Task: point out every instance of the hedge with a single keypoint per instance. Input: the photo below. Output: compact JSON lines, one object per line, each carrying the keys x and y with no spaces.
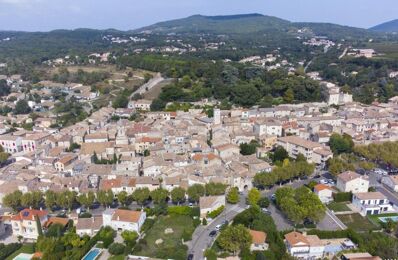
{"x":215,"y":212}
{"x":342,"y":196}
{"x":7,"y":250}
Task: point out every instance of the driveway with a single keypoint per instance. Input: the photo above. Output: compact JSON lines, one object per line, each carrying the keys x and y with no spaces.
{"x":330,"y":222}
{"x":201,"y":239}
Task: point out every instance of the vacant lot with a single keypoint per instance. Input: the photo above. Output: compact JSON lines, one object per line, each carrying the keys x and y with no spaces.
{"x":338,"y":206}
{"x":357,"y":222}
{"x":171,"y":246}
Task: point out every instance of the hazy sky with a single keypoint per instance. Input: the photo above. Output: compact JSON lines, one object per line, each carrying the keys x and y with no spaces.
{"x":44,"y":15}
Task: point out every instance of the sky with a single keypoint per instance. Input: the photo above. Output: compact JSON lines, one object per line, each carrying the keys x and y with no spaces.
{"x":45,"y":15}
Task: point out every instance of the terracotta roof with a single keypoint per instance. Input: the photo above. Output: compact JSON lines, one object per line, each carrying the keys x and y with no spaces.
{"x":320,"y":187}
{"x":90,"y":148}
{"x":89,"y":223}
{"x":29,"y":214}
{"x":126,"y":215}
{"x":294,"y":238}
{"x":56,"y":220}
{"x":258,"y":237}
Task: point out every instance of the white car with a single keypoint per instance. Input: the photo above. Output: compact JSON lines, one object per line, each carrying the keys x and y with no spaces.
{"x":218,"y":227}
{"x":323,"y":181}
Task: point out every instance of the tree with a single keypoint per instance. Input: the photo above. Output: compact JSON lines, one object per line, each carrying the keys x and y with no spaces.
{"x":178,"y":195}
{"x":263,"y":202}
{"x":129,"y":237}
{"x":86,"y":200}
{"x":4,"y":88}
{"x":121,"y":101}
{"x":213,"y":188}
{"x":66,"y":199}
{"x":253,"y":196}
{"x":288,"y":97}
{"x":234,"y":238}
{"x":123,"y":198}
{"x":195,"y":192}
{"x":141,"y":195}
{"x":248,"y":148}
{"x":233,"y":196}
{"x":279,"y":154}
{"x":13,"y":200}
{"x":22,"y":107}
{"x":159,"y":195}
{"x":50,"y":199}
{"x":341,"y":143}
{"x":116,"y":249}
{"x":105,"y":197}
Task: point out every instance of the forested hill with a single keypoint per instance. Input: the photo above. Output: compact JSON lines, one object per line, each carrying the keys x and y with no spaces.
{"x":391,"y":26}
{"x":251,"y":23}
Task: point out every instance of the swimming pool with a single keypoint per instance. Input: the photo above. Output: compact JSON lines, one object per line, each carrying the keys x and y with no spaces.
{"x":23,"y":256}
{"x":92,"y":254}
{"x":392,"y":218}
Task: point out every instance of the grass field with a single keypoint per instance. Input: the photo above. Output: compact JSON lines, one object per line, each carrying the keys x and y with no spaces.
{"x":389,"y":49}
{"x":338,"y":206}
{"x":357,"y":222}
{"x":26,"y":248}
{"x":172,"y":246}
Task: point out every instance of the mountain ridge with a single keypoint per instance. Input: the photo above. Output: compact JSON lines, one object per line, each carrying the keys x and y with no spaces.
{"x":390,"y":26}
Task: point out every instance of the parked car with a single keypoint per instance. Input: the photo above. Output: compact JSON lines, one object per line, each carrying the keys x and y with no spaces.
{"x":213,"y":233}
{"x":266,"y":211}
{"x":273,"y":197}
{"x":190,"y":257}
{"x":323,"y":181}
{"x":218,"y":227}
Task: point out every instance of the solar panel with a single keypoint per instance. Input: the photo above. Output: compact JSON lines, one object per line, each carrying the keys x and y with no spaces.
{"x":25,"y":214}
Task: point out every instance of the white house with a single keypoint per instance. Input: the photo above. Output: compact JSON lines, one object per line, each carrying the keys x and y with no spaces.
{"x":324,"y":193}
{"x":352,"y":182}
{"x":391,"y":182}
{"x":121,"y":219}
{"x":28,"y":223}
{"x":210,"y":203}
{"x":304,"y":247}
{"x":269,"y":127}
{"x":371,"y":203}
{"x":258,"y":241}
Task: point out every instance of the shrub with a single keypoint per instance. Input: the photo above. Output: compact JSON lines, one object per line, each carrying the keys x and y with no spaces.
{"x":147,"y":224}
{"x":116,"y":249}
{"x":186,"y":235}
{"x":215,"y":212}
{"x":7,"y":250}
{"x":263,"y":202}
{"x":342,"y":196}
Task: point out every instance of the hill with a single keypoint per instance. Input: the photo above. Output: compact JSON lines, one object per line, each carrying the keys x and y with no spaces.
{"x":235,"y":24}
{"x":391,"y":26}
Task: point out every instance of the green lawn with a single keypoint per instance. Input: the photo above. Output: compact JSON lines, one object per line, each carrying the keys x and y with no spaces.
{"x":26,"y":248}
{"x":357,"y":222}
{"x":338,"y":206}
{"x":375,"y":218}
{"x":172,"y":246}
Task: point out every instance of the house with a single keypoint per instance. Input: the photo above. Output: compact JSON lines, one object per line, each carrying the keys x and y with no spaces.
{"x":324,"y":193}
{"x":210,"y":203}
{"x":11,"y":144}
{"x":56,"y":220}
{"x":268,"y":127}
{"x":359,"y":256}
{"x":89,"y":226}
{"x":304,"y":247}
{"x":258,"y":241}
{"x":313,"y":152}
{"x":28,"y":223}
{"x":352,"y":182}
{"x":227,"y":150}
{"x":98,"y":137}
{"x":65,"y":161}
{"x":32,"y":141}
{"x":371,"y":203}
{"x":141,"y":104}
{"x":391,"y":182}
{"x":121,"y":219}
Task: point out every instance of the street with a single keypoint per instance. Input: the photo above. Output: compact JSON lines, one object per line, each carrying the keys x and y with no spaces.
{"x":201,"y":239}
{"x":147,"y":86}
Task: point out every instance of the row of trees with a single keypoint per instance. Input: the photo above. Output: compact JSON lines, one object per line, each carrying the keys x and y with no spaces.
{"x":69,"y":199}
{"x":385,"y":152}
{"x":288,"y":171}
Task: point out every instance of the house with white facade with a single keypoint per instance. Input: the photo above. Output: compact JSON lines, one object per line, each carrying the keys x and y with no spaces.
{"x":28,"y":223}
{"x":352,"y":182}
{"x":121,"y":219}
{"x":302,"y":246}
{"x":210,"y":203}
{"x":391,"y":182}
{"x":258,"y":241}
{"x":371,"y":203}
{"x":324,"y":193}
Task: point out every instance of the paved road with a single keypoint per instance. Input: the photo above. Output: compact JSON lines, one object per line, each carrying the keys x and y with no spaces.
{"x":330,"y":222}
{"x":201,"y":239}
{"x":147,"y":86}
{"x":392,"y":196}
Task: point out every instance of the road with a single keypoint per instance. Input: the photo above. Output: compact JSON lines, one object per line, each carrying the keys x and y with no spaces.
{"x":201,"y":239}
{"x":147,"y":86}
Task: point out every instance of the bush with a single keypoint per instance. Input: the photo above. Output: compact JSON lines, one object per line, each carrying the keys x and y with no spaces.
{"x":85,"y":215}
{"x":186,"y":235}
{"x":7,"y":250}
{"x":215,"y":212}
{"x":196,"y":222}
{"x":116,"y":249}
{"x":204,"y":222}
{"x":342,"y":196}
{"x":263,"y":202}
{"x":147,"y":224}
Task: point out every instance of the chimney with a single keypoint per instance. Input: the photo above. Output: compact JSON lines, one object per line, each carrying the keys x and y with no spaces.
{"x":118,"y":217}
{"x":92,"y":218}
{"x":41,"y":208}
